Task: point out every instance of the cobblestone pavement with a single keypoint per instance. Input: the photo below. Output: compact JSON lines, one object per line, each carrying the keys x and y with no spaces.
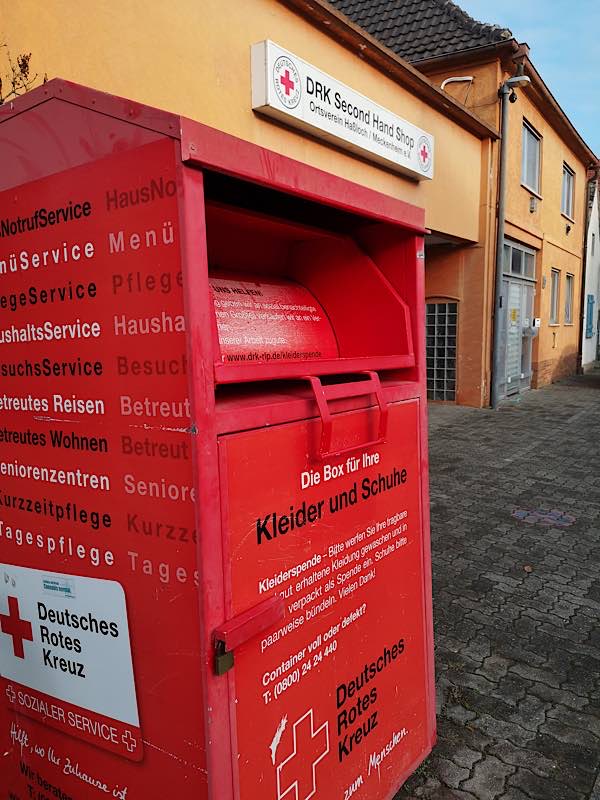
{"x":517,"y":600}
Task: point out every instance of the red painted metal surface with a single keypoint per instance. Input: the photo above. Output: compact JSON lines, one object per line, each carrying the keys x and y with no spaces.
{"x":250,"y":623}
{"x":340,"y":685}
{"x":97,"y":488}
{"x":267,"y":321}
{"x":336,"y":391}
{"x":115,"y":350}
{"x":202,"y":146}
{"x":51,"y":129}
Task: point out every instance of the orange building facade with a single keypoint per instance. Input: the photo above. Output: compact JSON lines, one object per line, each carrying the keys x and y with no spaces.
{"x":540,"y":313}
{"x":545,"y":220}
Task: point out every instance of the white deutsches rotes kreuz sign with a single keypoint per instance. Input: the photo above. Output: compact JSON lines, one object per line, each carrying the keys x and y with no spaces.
{"x":293,"y":91}
{"x":65,"y":656}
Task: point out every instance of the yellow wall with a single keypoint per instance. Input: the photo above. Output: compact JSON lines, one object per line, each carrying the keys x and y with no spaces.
{"x":555,"y":351}
{"x":547,"y":221}
{"x":193,"y":58}
{"x":456,"y":274}
{"x":479,"y":95}
{"x":466,"y":274}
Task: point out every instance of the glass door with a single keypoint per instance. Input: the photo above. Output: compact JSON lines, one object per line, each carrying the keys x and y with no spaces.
{"x":516,"y":318}
{"x":514,"y":337}
{"x":517,"y":338}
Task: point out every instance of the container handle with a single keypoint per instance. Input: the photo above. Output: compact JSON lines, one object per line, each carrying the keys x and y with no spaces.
{"x":337,"y":391}
{"x":240,"y":629}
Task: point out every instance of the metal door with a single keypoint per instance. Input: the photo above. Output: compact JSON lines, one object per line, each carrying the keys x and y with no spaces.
{"x":344,"y":549}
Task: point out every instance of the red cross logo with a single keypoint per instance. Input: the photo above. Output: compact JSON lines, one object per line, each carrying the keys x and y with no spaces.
{"x":424,"y":153}
{"x":287,"y":82}
{"x":14,"y":626}
{"x":128,"y":740}
{"x":296,"y":776}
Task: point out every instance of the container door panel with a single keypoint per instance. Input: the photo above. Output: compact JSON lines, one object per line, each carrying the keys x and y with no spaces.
{"x":335,"y":693}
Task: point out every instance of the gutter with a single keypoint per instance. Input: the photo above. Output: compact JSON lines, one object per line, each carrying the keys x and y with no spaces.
{"x":369,"y":49}
{"x":471,"y":54}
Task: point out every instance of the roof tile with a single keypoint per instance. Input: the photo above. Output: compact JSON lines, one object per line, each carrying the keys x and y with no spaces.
{"x":421,"y":29}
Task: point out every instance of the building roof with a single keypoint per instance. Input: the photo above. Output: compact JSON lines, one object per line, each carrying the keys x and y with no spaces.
{"x":421,"y":29}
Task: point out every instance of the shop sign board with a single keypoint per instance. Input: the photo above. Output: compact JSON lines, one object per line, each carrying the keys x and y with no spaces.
{"x":293,"y":91}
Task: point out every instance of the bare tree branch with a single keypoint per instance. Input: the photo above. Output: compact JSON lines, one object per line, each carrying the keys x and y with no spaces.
{"x":17,"y":79}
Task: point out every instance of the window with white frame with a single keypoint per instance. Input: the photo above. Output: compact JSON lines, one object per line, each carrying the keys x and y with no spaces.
{"x":530,"y":165}
{"x":569,"y":294}
{"x":518,"y":260}
{"x":554,"y":296}
{"x":568,"y":184}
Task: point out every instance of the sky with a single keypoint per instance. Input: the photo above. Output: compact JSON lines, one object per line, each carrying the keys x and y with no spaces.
{"x":564,"y":41}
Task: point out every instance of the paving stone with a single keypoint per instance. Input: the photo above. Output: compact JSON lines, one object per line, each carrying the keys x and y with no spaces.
{"x":500,"y":730}
{"x":459,"y":735}
{"x":442,"y":792}
{"x":489,"y":778}
{"x":495,"y":667}
{"x":450,"y":773}
{"x":531,"y":713}
{"x":596,"y":790}
{"x":478,"y":648}
{"x":537,"y":675}
{"x":568,"y":734}
{"x":542,"y":788}
{"x":458,"y":713}
{"x":524,"y":757}
{"x":572,"y":757}
{"x":512,"y":793}
{"x":576,"y":720}
{"x":518,"y":653}
{"x":465,"y":757}
{"x":512,"y":689}
{"x":525,"y":626}
{"x":473,"y":681}
{"x":426,"y":790}
{"x":489,"y":704}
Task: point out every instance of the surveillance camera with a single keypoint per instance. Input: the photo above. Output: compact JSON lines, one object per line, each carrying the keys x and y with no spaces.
{"x":512,"y":97}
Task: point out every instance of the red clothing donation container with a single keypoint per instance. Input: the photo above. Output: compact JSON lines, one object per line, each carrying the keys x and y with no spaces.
{"x":215,"y":572}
